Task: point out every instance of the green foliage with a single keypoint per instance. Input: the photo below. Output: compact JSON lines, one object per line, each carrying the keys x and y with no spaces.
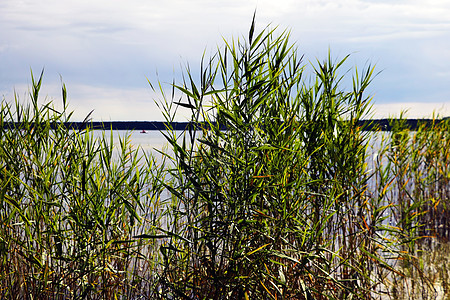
{"x":70,"y":205}
{"x":274,"y":206}
{"x":411,"y":193}
{"x":417,"y":163}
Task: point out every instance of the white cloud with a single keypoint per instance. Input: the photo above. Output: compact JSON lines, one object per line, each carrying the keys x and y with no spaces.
{"x":107,"y":103}
{"x":413,"y":110}
{"x":107,"y":48}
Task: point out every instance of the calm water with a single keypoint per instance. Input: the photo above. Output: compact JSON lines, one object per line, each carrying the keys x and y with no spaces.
{"x":153,"y":140}
{"x":148,"y":141}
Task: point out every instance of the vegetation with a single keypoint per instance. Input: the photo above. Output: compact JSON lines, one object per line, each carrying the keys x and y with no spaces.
{"x":269,"y":194}
{"x":70,"y":206}
{"x":411,"y":176}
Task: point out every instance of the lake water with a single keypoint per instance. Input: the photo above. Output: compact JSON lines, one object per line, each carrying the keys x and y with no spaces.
{"x":154,"y":139}
{"x":147,"y":141}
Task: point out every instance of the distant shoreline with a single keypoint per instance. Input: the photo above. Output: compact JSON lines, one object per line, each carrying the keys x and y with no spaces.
{"x":370,"y":125}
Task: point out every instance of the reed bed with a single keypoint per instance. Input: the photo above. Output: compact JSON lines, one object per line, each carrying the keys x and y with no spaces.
{"x":275,"y":206}
{"x":417,"y":163}
{"x":269,"y":194}
{"x":411,"y":176}
{"x":70,"y":206}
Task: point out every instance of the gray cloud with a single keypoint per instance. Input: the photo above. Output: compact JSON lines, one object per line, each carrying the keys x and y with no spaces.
{"x":102,"y":47}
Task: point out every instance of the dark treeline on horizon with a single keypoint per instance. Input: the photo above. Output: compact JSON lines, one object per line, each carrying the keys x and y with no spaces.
{"x":369,"y":125}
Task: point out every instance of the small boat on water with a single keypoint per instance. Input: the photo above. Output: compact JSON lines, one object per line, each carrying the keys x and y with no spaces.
{"x":143,"y":131}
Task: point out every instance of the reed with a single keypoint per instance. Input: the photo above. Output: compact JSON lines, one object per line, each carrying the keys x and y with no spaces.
{"x":411,"y":172}
{"x":70,"y":206}
{"x":275,"y":206}
{"x":417,"y":164}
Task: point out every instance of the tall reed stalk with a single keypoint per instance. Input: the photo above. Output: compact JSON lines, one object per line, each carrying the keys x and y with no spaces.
{"x":270,"y":195}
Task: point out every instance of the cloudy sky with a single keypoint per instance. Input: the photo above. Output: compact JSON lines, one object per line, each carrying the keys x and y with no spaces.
{"x":105,"y":51}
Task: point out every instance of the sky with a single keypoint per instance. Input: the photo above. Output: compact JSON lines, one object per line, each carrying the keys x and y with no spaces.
{"x":106,"y":51}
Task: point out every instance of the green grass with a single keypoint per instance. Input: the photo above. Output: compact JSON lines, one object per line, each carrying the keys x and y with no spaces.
{"x":277,"y":206}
